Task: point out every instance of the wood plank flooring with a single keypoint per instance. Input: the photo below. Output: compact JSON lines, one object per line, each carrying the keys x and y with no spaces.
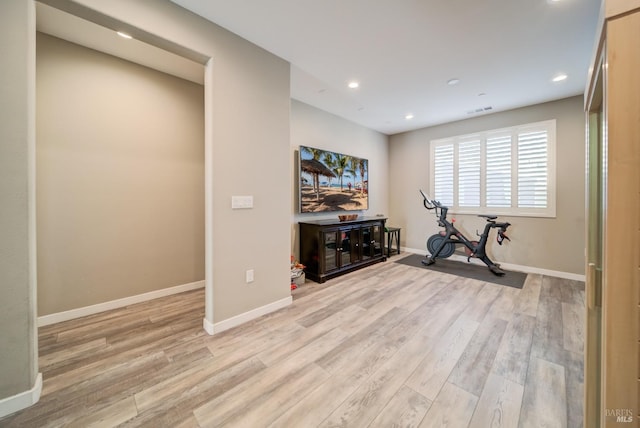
{"x":387,"y":346}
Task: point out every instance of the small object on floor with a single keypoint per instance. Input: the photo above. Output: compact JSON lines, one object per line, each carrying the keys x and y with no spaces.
{"x":297,"y":277}
{"x":393,"y":234}
{"x":297,"y":273}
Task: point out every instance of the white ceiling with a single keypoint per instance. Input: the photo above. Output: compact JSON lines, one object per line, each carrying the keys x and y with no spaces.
{"x":403,"y":52}
{"x":55,"y":22}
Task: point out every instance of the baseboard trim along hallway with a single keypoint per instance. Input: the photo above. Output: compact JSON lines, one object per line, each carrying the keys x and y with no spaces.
{"x":116,"y":304}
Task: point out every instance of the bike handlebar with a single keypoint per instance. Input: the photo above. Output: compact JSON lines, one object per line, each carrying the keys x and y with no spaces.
{"x":501,"y":235}
{"x":429,"y":203}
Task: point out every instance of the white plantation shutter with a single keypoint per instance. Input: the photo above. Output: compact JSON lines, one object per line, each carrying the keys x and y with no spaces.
{"x":532,"y":170}
{"x":469,"y":174}
{"x":506,"y":171}
{"x":443,"y":174}
{"x":498,"y":175}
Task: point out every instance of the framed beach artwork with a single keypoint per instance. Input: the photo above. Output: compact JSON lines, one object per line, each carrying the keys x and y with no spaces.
{"x":331,"y":181}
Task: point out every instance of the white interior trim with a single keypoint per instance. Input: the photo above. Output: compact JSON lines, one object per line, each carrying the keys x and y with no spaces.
{"x":207,"y":326}
{"x":208,"y":195}
{"x":31,"y":397}
{"x":511,"y":266}
{"x":21,"y":400}
{"x":115,"y":304}
{"x":212,"y":328}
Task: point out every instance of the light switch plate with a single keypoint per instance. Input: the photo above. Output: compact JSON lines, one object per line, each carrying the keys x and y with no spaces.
{"x":241,"y":202}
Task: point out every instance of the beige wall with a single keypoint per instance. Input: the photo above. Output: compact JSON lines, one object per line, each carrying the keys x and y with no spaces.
{"x":18,"y":338}
{"x":546,"y":243}
{"x":249,"y":124}
{"x":120,"y":178}
{"x":249,"y":100}
{"x":317,"y":128}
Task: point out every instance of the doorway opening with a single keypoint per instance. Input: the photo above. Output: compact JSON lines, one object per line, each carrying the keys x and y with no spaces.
{"x":186,"y":65}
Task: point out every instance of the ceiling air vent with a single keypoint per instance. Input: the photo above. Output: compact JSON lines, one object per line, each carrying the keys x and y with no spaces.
{"x":479,"y":110}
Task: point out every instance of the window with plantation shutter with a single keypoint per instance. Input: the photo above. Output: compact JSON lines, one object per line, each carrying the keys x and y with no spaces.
{"x":443,"y":174}
{"x":505,"y":171}
{"x":498,"y":175}
{"x":469,"y":174}
{"x":532,"y":169}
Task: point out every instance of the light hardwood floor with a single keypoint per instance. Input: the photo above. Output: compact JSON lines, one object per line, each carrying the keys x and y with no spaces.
{"x":387,"y":346}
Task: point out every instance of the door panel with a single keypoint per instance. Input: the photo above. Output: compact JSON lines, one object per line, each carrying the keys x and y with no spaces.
{"x":596,"y":175}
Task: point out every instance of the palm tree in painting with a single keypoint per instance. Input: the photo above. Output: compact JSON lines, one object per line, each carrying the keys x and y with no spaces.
{"x":353,"y":168}
{"x":342,"y":163}
{"x":330,"y":162}
{"x":315,"y":154}
{"x":362,"y":167}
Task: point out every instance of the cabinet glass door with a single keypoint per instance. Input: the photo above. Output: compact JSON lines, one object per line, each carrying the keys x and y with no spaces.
{"x":371,"y":244}
{"x":346,"y":247}
{"x":377,"y":244}
{"x":356,"y":245}
{"x":367,"y":242}
{"x":331,"y":250}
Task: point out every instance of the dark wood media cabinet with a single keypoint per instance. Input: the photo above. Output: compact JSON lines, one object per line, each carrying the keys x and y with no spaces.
{"x":329,"y":248}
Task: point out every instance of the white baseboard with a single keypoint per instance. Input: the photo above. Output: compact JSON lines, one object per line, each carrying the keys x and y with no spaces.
{"x":22,"y":400}
{"x":208,"y":326}
{"x":115,"y":304}
{"x":235,"y":321}
{"x":511,"y":266}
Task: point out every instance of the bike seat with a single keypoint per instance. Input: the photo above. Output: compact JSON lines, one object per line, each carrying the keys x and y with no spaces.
{"x":488,"y":217}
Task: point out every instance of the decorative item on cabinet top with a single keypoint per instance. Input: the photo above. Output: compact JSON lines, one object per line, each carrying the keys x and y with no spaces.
{"x":347,"y":217}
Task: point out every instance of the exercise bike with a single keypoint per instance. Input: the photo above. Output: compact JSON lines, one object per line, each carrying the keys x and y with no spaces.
{"x":443,"y":244}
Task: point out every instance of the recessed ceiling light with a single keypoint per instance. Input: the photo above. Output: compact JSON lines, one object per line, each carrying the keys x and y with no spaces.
{"x":353,"y":85}
{"x":560,"y":78}
{"x":123,"y":35}
{"x":453,"y":81}
{"x":409,"y":116}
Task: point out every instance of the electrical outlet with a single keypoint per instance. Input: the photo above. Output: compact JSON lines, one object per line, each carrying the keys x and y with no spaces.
{"x":249,"y":276}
